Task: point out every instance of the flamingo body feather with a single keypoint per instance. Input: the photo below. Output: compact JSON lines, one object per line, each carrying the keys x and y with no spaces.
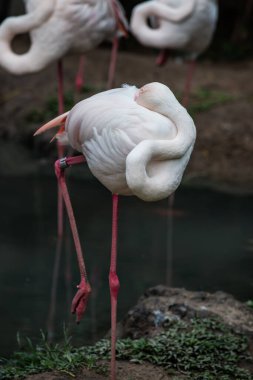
{"x":136,"y":141}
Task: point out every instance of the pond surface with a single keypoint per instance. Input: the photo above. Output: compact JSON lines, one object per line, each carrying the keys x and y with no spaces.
{"x":207,"y":246}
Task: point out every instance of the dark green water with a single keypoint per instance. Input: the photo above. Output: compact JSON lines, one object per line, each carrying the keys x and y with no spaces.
{"x":212,"y":250}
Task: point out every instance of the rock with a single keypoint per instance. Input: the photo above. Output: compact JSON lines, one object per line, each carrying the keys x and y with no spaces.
{"x":161,"y":305}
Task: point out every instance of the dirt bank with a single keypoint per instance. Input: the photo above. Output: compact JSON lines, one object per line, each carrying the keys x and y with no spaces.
{"x":155,"y":314}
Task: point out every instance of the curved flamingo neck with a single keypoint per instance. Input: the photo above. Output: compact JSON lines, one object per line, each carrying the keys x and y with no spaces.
{"x":164,"y":12}
{"x":30,"y":61}
{"x":166,"y":179}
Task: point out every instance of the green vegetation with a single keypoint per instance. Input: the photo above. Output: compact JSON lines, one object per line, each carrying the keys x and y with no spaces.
{"x":249,"y":303}
{"x":201,"y":350}
{"x":50,"y":109}
{"x":205,"y":99}
{"x":202,"y":100}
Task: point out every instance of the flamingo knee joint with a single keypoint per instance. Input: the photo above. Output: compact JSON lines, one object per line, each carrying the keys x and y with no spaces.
{"x":114,"y":284}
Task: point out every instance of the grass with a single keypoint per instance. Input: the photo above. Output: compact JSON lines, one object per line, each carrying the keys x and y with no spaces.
{"x":202,"y":100}
{"x":205,"y":99}
{"x":249,"y":303}
{"x":202,"y":350}
{"x":50,"y":109}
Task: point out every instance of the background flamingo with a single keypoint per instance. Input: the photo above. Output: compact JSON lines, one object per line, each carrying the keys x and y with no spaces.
{"x":57,"y":28}
{"x":186,"y":26}
{"x":139,"y":143}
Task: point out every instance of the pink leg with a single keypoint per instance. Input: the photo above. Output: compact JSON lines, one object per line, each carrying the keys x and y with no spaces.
{"x":60,"y":99}
{"x":60,"y":147}
{"x":162,"y":57}
{"x":114,"y":284}
{"x":188,"y":84}
{"x":114,"y":54}
{"x":80,"y":74}
{"x":79,"y":302}
{"x":170,"y":219}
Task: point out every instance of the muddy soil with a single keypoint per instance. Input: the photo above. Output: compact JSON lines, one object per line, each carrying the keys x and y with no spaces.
{"x":222,"y":157}
{"x":125,"y":371}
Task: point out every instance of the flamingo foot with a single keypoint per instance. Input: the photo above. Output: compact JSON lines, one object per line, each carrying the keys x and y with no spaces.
{"x":80,"y":300}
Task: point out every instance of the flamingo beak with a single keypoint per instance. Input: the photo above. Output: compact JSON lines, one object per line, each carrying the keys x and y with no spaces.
{"x":58,"y":121}
{"x":58,"y":134}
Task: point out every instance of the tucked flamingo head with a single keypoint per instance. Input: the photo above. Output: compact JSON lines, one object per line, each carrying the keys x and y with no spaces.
{"x":156,"y":97}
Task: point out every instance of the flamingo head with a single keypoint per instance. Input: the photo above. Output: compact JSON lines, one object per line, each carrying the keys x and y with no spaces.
{"x":152,"y":95}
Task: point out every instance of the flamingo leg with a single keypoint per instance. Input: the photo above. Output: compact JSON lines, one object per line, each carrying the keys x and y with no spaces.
{"x":60,"y":147}
{"x":162,"y":57}
{"x":79,"y":82}
{"x":170,"y":219}
{"x":113,"y":60}
{"x":188,"y":83}
{"x":114,"y":284}
{"x":80,"y":300}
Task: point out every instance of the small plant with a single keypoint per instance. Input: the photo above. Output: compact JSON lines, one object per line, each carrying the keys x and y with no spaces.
{"x":51,"y":109}
{"x":203,"y":349}
{"x":205,"y":99}
{"x":44,"y":357}
{"x":249,"y":303}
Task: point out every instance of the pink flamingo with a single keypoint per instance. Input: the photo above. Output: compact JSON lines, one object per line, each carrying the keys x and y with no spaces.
{"x":57,"y":28}
{"x":186,"y":26}
{"x":136,"y":142}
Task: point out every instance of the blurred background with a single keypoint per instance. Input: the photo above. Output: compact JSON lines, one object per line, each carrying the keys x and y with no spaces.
{"x":204,"y":243}
{"x":232,"y":40}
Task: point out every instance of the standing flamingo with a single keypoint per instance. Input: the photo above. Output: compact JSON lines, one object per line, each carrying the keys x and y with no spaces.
{"x":59,"y":27}
{"x":56,"y":28}
{"x":183,"y":25}
{"x":186,"y":26}
{"x":136,"y":142}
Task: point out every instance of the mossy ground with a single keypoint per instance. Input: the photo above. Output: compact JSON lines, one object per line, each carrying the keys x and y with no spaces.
{"x":200,"y":350}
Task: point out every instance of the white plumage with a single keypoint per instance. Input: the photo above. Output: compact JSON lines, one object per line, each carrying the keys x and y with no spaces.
{"x":57,"y":27}
{"x":184,"y":25}
{"x":136,"y":141}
